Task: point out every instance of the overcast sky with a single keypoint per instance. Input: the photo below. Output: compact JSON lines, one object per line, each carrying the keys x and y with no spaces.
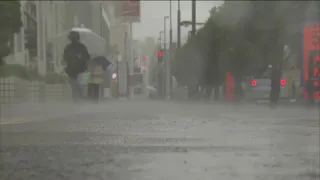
{"x":152,"y":13}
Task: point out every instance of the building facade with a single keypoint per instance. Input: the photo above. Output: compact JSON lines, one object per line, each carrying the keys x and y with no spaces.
{"x":44,"y":20}
{"x":50,"y":22}
{"x":29,"y":20}
{"x":90,"y":14}
{"x":19,"y":54}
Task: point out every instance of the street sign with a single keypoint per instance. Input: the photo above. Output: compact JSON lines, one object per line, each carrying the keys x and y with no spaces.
{"x":311,"y":59}
{"x":128,"y":10}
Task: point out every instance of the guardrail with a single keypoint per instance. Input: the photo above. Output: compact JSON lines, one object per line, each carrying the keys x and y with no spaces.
{"x":14,"y":91}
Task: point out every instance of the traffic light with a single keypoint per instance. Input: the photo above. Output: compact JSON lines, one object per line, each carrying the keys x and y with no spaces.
{"x":160,"y":56}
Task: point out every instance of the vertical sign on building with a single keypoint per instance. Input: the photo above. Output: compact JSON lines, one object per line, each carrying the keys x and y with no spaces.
{"x":230,"y":87}
{"x":311,"y":61}
{"x":128,"y":11}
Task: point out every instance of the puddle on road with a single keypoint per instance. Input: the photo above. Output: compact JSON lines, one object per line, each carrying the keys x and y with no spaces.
{"x":220,"y":165}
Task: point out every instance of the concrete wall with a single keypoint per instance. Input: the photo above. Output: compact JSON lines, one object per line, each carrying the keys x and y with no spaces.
{"x":82,"y":11}
{"x":117,"y":37}
{"x":51,"y":16}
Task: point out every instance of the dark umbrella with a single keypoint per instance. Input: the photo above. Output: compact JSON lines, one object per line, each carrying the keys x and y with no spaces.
{"x":100,"y":60}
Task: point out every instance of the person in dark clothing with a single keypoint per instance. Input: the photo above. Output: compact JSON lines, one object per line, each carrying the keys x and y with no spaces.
{"x":76,"y":57}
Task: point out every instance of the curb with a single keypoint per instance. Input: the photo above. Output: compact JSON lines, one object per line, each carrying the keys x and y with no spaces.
{"x":35,"y":118}
{"x":21,"y":119}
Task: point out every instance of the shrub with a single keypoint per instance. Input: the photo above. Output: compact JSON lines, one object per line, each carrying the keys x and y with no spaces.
{"x":19,"y":71}
{"x":54,"y":78}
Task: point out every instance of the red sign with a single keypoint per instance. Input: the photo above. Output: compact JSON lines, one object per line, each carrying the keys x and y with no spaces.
{"x":311,"y":60}
{"x":230,"y":87}
{"x":128,"y":10}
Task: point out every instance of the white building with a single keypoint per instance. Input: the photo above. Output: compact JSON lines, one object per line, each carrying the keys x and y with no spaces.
{"x":19,"y":55}
{"x":43,"y":20}
{"x":50,"y":22}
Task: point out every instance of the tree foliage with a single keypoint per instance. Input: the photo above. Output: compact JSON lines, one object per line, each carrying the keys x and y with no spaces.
{"x":244,"y":37}
{"x":10,"y":18}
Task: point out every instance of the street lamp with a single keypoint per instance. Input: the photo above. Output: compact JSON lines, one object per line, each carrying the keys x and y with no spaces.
{"x":188,"y":23}
{"x":164,"y":31}
{"x":193,"y":22}
{"x":179,"y":26}
{"x":170,"y":53}
{"x":193,"y":17}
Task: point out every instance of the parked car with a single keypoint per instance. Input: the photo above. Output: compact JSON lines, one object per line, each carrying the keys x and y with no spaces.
{"x":259,"y":87}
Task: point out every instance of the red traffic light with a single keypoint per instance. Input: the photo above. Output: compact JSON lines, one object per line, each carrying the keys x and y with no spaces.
{"x":160,"y":53}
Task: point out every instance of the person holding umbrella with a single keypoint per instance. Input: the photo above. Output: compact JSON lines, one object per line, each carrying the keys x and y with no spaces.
{"x":76,"y":58}
{"x":97,"y":67}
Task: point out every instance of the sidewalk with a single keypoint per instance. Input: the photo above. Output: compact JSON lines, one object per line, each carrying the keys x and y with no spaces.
{"x":27,"y":112}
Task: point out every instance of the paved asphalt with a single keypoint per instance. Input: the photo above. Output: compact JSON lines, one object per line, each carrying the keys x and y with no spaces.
{"x":160,"y":140}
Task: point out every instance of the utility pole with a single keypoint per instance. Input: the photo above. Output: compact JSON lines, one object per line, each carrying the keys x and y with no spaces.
{"x":170,"y":54}
{"x":131,"y":63}
{"x":179,"y":26}
{"x":165,"y":68}
{"x":193,"y":18}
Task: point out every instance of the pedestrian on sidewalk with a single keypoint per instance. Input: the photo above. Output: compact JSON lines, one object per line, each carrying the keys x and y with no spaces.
{"x":96,"y":69}
{"x":292,"y":75}
{"x":76,"y":58}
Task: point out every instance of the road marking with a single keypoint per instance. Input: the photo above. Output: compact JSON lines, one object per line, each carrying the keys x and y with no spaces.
{"x":27,"y":119}
{"x":5,"y":121}
{"x":19,"y":120}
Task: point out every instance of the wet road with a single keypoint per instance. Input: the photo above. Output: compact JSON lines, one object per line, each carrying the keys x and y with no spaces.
{"x":158,"y":140}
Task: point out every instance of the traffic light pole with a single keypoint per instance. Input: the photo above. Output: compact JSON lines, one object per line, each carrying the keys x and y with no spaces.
{"x":160,"y":67}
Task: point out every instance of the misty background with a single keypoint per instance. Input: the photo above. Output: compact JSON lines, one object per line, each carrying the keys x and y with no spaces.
{"x":152,"y":13}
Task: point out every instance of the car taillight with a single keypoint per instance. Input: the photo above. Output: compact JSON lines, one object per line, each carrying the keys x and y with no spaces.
{"x":283,"y":82}
{"x":253,"y":83}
